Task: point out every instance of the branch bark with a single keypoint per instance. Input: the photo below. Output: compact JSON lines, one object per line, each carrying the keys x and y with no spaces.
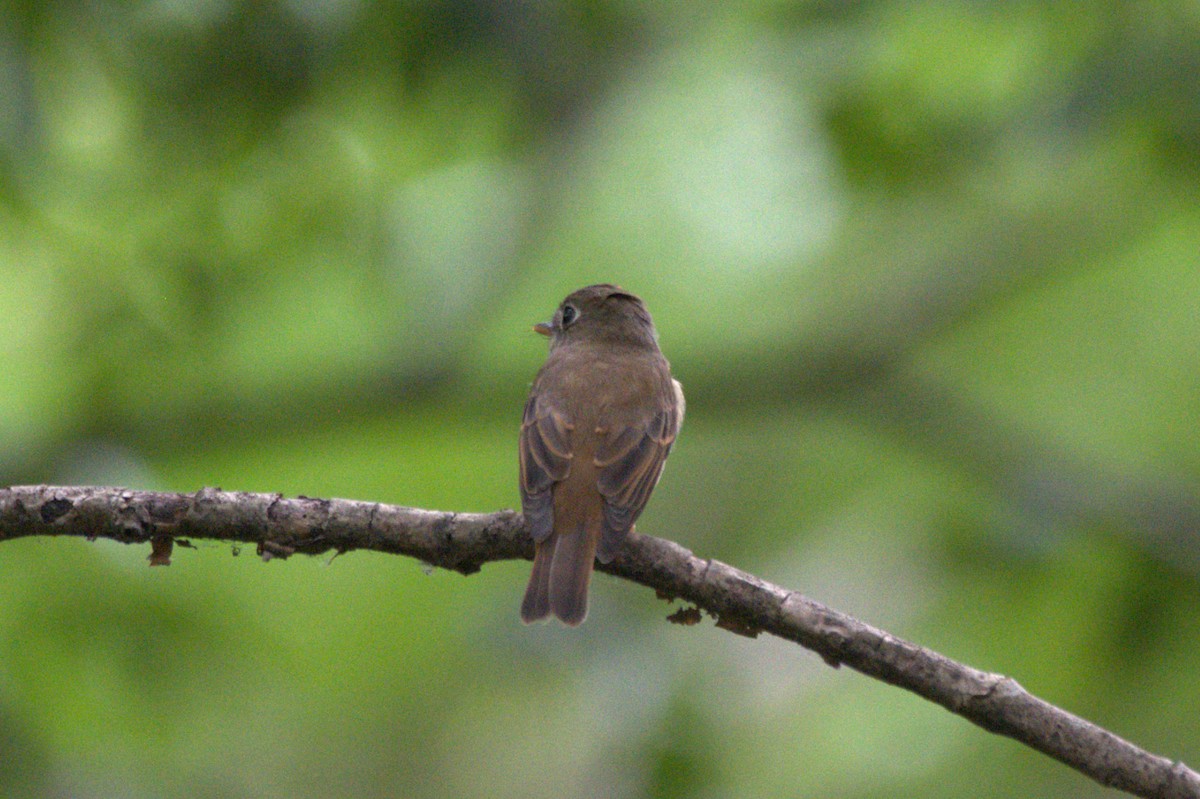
{"x":463,"y":542}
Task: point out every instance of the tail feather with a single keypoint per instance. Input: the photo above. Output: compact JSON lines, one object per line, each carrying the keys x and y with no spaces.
{"x":536,"y":604}
{"x":571,"y":573}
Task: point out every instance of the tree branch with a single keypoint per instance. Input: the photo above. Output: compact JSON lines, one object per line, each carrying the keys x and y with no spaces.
{"x":463,"y":542}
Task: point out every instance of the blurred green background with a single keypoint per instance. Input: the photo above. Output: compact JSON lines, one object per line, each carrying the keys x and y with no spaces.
{"x":927,"y":270}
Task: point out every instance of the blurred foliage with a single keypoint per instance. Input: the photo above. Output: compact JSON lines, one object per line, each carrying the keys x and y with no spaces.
{"x":927,"y":271}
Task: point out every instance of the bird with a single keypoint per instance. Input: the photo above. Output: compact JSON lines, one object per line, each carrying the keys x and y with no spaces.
{"x":599,"y":422}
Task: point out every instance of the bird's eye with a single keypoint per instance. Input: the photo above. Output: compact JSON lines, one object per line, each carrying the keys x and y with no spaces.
{"x":569,"y":314}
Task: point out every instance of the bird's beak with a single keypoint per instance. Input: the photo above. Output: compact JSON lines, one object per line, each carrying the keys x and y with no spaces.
{"x":542,"y":327}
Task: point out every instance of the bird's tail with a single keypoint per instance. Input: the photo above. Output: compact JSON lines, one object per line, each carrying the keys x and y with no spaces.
{"x":562,"y":571}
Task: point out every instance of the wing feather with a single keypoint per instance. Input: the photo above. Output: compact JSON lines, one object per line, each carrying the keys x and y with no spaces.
{"x":545,"y":455}
{"x":631,"y":461}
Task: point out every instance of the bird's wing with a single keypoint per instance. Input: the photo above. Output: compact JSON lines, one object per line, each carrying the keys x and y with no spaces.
{"x":630,"y":460}
{"x":545,"y":460}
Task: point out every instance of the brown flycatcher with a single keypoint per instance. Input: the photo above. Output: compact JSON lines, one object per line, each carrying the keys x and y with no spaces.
{"x":600,"y":420}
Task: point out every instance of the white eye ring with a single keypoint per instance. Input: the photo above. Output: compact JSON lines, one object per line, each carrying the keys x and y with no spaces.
{"x":569,"y":314}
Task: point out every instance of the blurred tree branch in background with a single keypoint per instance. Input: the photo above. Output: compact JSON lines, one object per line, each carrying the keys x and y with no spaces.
{"x":463,"y":542}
